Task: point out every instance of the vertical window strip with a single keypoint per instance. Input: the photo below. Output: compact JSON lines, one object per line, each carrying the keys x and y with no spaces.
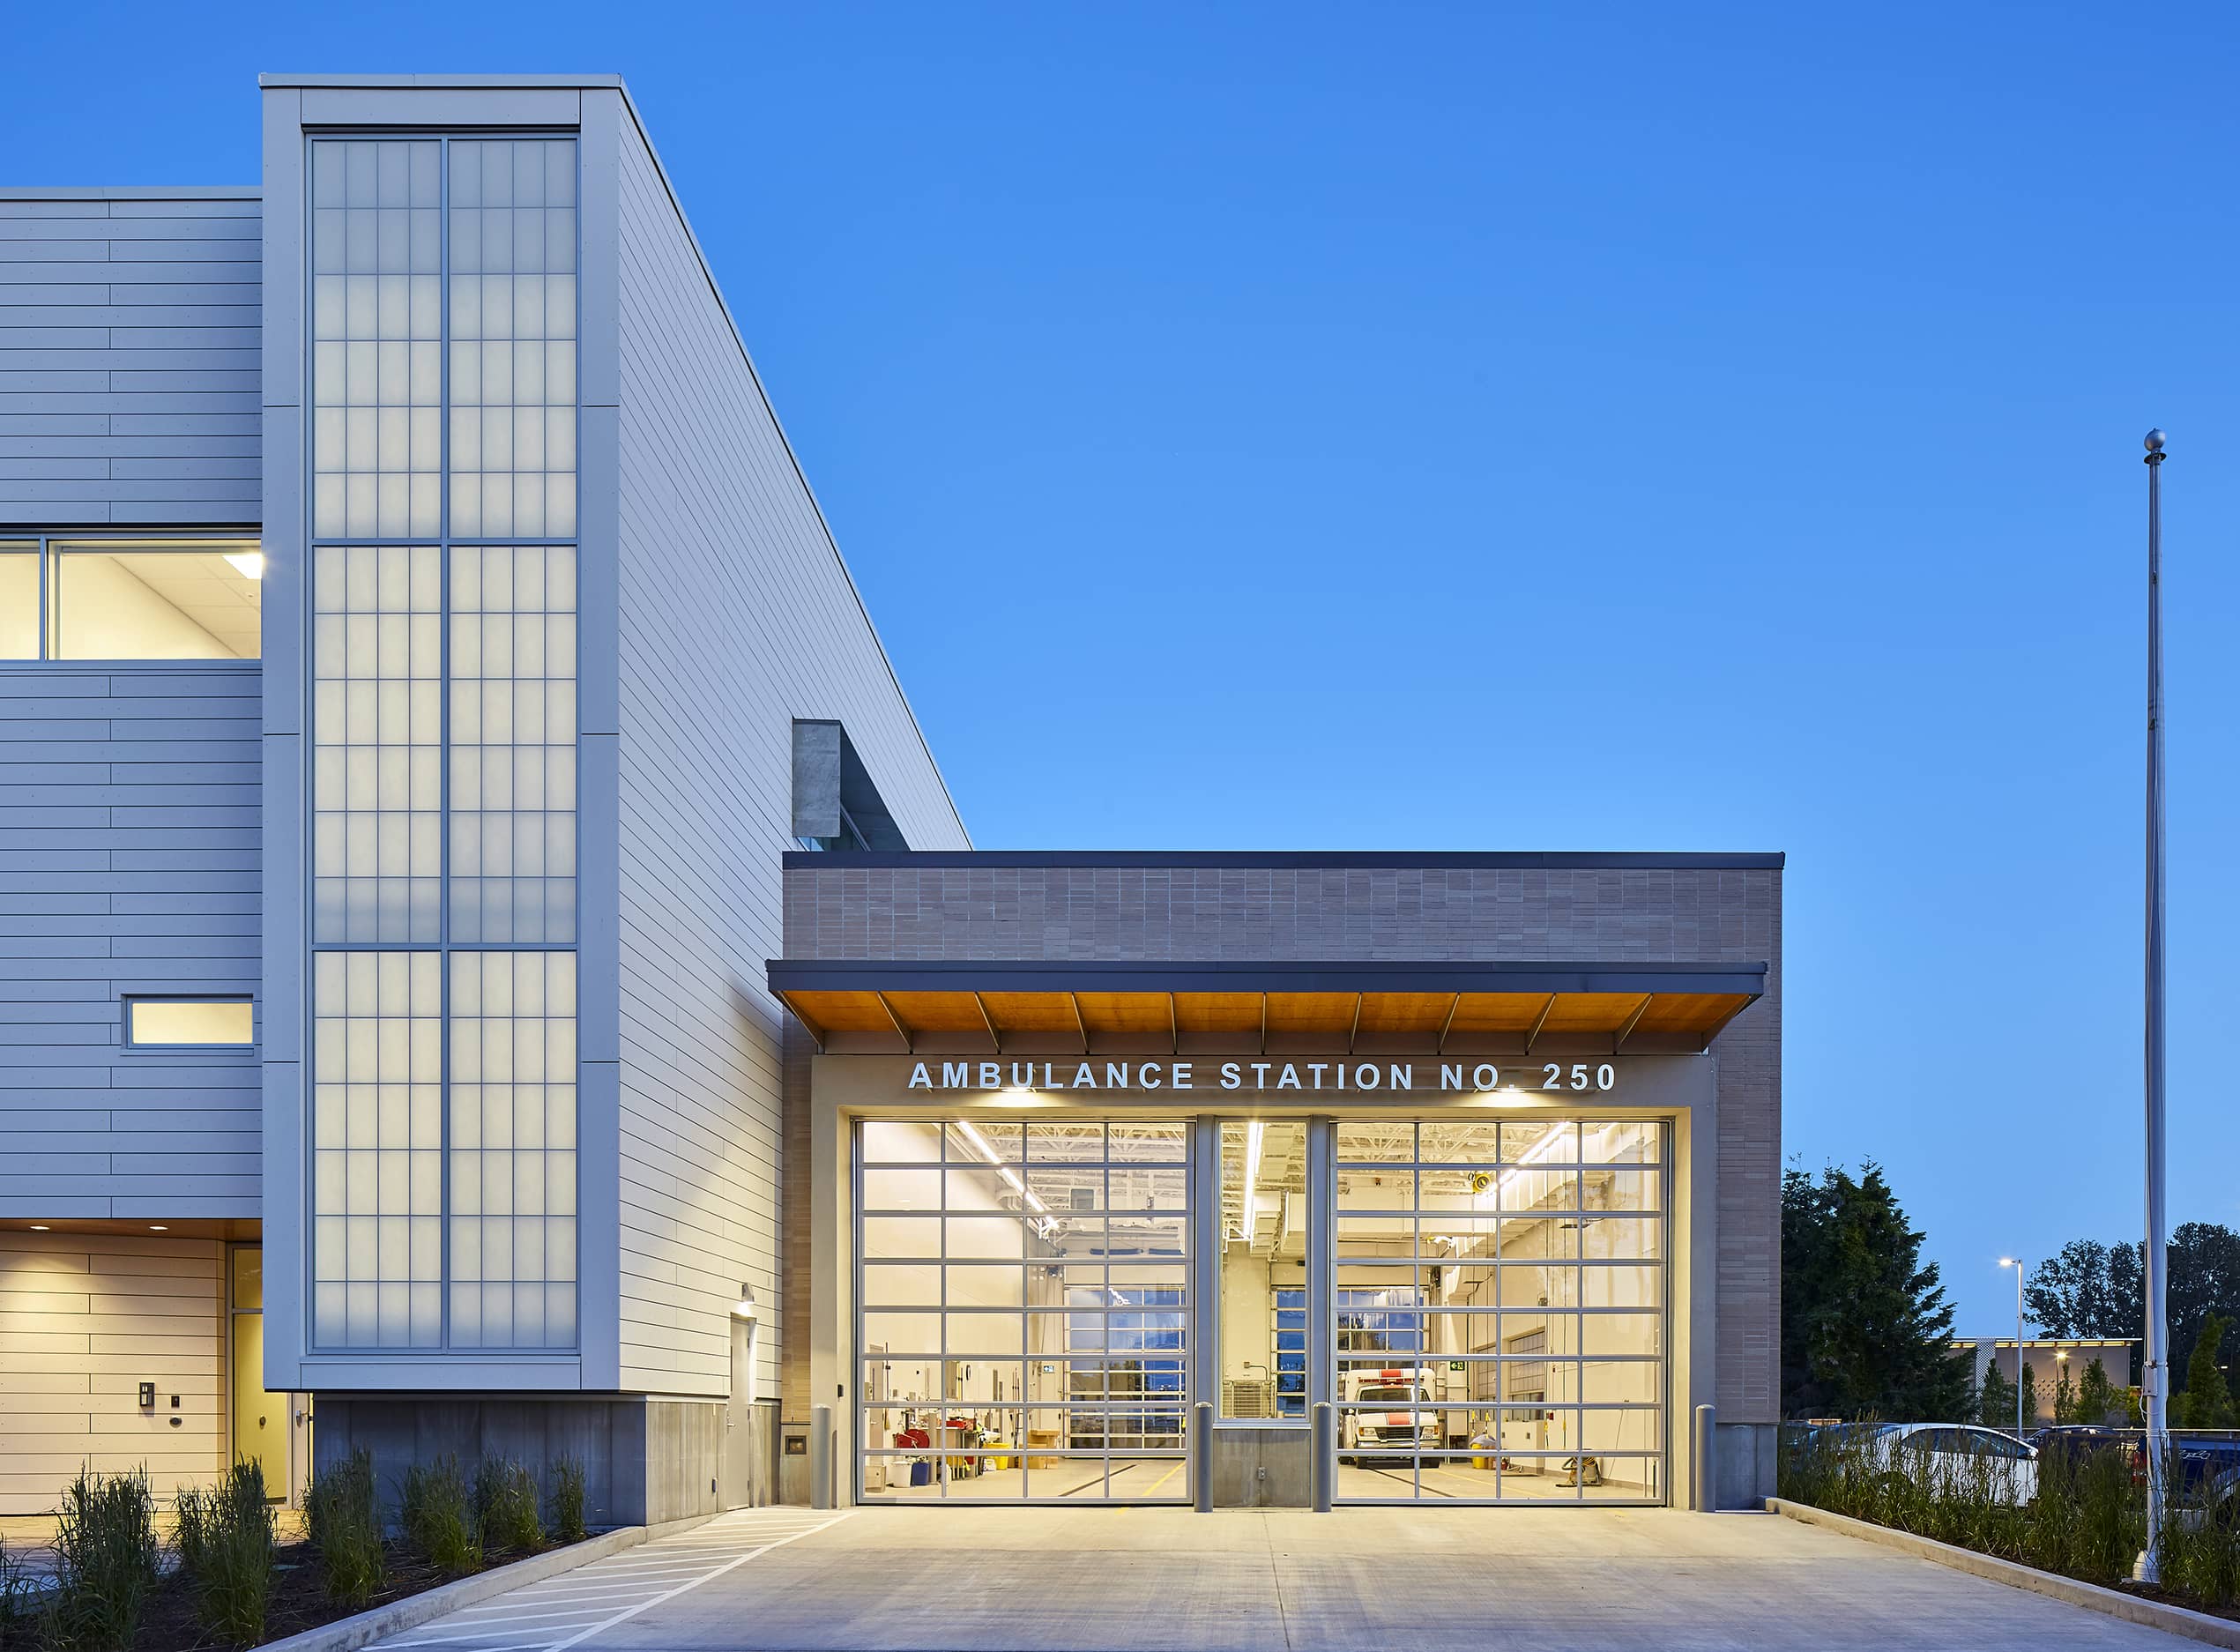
{"x":376,"y":724}
{"x":377,"y":1149}
{"x":376,"y":347}
{"x":512,"y":1155}
{"x":512,"y":311}
{"x":406,"y":331}
{"x":513,"y":745}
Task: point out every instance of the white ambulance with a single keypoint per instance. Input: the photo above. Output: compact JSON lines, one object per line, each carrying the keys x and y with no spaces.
{"x":1411,"y":1424}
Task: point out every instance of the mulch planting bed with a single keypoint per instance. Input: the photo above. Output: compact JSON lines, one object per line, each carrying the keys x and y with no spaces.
{"x":300,"y":1601}
{"x":2163,"y":1597}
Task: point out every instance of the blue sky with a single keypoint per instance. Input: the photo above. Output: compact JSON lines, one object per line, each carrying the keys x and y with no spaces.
{"x":1478,"y":427}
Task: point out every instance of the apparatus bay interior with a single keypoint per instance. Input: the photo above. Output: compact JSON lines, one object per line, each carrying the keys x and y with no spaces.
{"x":1495,"y":1319}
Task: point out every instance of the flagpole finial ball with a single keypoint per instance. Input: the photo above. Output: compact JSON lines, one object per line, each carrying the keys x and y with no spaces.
{"x":2154,"y":439}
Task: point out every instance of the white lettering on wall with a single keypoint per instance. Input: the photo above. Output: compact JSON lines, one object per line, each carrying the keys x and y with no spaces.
{"x":1259,"y":1078}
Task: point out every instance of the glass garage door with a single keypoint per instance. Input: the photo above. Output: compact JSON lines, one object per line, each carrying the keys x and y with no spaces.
{"x":1022,"y":1305}
{"x":1498,"y":1311}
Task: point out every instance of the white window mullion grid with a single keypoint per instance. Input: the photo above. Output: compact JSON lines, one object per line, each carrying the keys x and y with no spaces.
{"x":344,"y":511}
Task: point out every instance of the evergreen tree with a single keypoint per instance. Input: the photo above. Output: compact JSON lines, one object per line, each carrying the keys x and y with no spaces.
{"x":1995,"y":1401}
{"x":2029,"y":1396}
{"x":2097,"y":1400}
{"x":2095,"y":1290}
{"x":2207,"y":1400}
{"x":2089,"y":1290}
{"x":2065,"y":1394}
{"x":1866,"y":1328}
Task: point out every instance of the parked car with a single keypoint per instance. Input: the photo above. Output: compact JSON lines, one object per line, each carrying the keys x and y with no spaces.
{"x":2207,"y":1463}
{"x":1952,"y":1457}
{"x":2208,"y":1471}
{"x":2078,"y":1440}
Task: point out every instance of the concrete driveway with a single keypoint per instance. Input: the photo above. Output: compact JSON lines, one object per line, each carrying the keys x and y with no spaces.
{"x":1008,"y":1580}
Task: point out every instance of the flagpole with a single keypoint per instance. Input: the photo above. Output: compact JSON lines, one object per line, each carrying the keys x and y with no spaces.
{"x":2155,"y":1373}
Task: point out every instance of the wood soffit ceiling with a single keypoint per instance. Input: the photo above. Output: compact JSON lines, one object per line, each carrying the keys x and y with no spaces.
{"x":988,"y":1011}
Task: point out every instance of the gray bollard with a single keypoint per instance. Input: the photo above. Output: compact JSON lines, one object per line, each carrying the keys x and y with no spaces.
{"x":1201,"y":1457}
{"x":1324,"y":1471}
{"x":1706,"y":1463}
{"x":820,"y":1456}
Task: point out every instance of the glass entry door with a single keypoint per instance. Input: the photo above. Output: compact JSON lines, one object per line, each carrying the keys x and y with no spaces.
{"x":1023,"y":1310}
{"x":1498,"y":1311}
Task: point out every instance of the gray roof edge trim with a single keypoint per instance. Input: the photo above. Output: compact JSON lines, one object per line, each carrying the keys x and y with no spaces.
{"x":409,"y":83}
{"x":1392,"y":975}
{"x":809,"y":861}
{"x":133,"y":192}
{"x":816,"y":505}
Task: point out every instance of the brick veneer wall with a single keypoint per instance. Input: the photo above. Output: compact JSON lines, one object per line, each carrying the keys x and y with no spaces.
{"x":844,"y":908}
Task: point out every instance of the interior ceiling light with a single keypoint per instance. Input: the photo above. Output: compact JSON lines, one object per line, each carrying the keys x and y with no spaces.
{"x":981,"y":1144}
{"x":248,"y":564}
{"x":1255,"y":1139}
{"x":1540,"y":1149}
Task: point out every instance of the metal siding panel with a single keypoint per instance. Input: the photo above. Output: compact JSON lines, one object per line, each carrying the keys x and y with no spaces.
{"x":145,"y":309}
{"x":436,"y":106}
{"x":117,"y":895}
{"x":280,"y":1099}
{"x":728,"y":593}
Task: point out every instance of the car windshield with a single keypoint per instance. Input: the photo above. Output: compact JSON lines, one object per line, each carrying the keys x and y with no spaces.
{"x":1391,"y":1396}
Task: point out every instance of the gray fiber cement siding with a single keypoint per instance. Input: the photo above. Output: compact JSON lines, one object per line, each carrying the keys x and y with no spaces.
{"x":129,"y":359}
{"x":131,"y":863}
{"x":732,"y":616}
{"x":1552,"y":913}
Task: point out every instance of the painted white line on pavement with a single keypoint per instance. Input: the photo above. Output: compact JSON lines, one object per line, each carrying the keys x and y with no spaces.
{"x":541,"y":1611}
{"x":632,"y":1612}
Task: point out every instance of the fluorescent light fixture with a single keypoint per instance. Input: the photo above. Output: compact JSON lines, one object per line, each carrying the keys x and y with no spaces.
{"x":248,"y":564}
{"x":39,"y":1227}
{"x":1255,"y":1139}
{"x":981,"y":1145}
{"x":158,"y":1227}
{"x":1541,"y":1149}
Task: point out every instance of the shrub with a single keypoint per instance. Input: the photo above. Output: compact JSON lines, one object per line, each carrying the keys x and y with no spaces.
{"x":191,"y":1517}
{"x":2112,"y":1526}
{"x":343,"y":1515}
{"x":505,"y":1505}
{"x":567,"y":1499}
{"x":2087,"y":1520}
{"x":105,"y":1562}
{"x":18,"y":1597}
{"x":232,"y":1565}
{"x":438,"y":1517}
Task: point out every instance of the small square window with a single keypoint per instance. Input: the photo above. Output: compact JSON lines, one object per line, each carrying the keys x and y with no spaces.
{"x":190,"y":1022}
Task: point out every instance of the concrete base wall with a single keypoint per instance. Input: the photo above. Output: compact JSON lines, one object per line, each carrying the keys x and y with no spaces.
{"x":644,"y":1461}
{"x":1748,"y":1461}
{"x":1262,"y":1467}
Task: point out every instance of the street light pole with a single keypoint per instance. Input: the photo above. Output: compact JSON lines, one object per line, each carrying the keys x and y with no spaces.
{"x":2156,"y":1369}
{"x":2015,"y":1262}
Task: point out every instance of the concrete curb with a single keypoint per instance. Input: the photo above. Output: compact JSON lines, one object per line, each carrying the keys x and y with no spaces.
{"x":2194,"y":1626}
{"x":346,"y":1634}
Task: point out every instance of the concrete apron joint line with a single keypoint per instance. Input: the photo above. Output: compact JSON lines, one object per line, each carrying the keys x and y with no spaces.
{"x":553,"y":1614}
